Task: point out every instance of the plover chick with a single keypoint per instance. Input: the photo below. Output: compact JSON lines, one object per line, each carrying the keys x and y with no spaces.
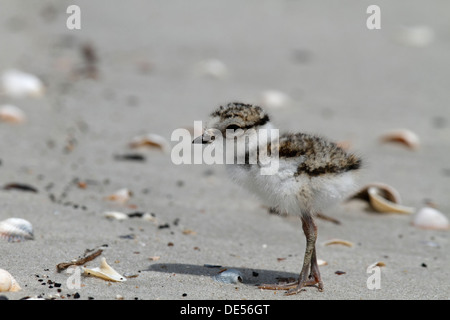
{"x":313,"y":173}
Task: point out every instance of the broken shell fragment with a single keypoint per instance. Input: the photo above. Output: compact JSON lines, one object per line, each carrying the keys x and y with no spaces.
{"x":338,"y":241}
{"x":121,"y":195}
{"x":321,"y":262}
{"x":105,"y":272}
{"x":115,"y":215}
{"x":16,"y":230}
{"x":381,"y":204}
{"x":7,"y":282}
{"x":430,"y":218}
{"x":229,"y":276}
{"x":376,"y":264}
{"x":150,"y":140}
{"x":404,"y":136}
{"x":12,"y":114}
{"x":16,"y":83}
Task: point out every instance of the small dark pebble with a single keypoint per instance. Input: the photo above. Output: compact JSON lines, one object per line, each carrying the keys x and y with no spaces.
{"x":184,"y":294}
{"x":135,"y":214}
{"x":21,"y":187}
{"x":130,"y":157}
{"x":340,"y":272}
{"x":90,"y":298}
{"x":164,"y":226}
{"x":76,"y":295}
{"x":424,"y":265}
{"x":170,"y":244}
{"x":255,"y":274}
{"x":128,"y":236}
{"x":57,"y":285}
{"x":176,"y":221}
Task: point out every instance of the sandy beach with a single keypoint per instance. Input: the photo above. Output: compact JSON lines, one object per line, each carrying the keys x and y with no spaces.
{"x":140,"y":67}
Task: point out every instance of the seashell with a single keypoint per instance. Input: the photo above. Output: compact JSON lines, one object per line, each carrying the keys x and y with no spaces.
{"x":121,"y":196}
{"x":404,"y":136}
{"x":338,"y":241}
{"x":377,"y":264}
{"x":16,"y":83}
{"x":16,"y":230}
{"x":381,"y":204}
{"x":431,"y":218}
{"x":382,"y":198}
{"x":416,"y":36}
{"x":7,"y":282}
{"x":150,"y":140}
{"x":214,"y":68}
{"x":115,"y":215}
{"x":274,"y":99}
{"x":321,"y":262}
{"x":10,"y":113}
{"x":104,"y":272}
{"x":229,"y":276}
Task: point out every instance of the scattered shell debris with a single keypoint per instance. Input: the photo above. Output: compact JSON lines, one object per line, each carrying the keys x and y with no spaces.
{"x":120,"y":196}
{"x":431,"y":218}
{"x":229,"y":276}
{"x":116,"y":215}
{"x":15,"y":83}
{"x":403,"y":136}
{"x":7,"y":282}
{"x":338,"y":241}
{"x":382,"y":198}
{"x":16,"y":230}
{"x":213,"y":68}
{"x":12,"y":114}
{"x":152,"y":140}
{"x":105,"y":272}
{"x":416,"y":36}
{"x":274,"y":99}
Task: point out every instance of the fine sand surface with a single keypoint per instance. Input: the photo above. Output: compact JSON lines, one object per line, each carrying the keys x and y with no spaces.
{"x":142,"y":74}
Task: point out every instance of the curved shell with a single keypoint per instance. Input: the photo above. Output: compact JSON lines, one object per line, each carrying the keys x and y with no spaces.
{"x":430,"y":218}
{"x":105,"y":272}
{"x":16,"y":230}
{"x":404,"y":136}
{"x":7,"y":282}
{"x":382,"y":204}
{"x":382,"y":198}
{"x":16,"y":83}
{"x":10,"y":113}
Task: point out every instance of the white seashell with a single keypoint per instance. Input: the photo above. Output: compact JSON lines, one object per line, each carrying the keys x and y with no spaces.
{"x":381,"y":204}
{"x":16,"y":83}
{"x":121,"y":196}
{"x":229,"y":276}
{"x":116,"y":215}
{"x":104,"y":272}
{"x":16,"y":230}
{"x":416,"y":36}
{"x":274,"y":99}
{"x":404,"y":136}
{"x":430,"y":218}
{"x":338,"y":241}
{"x":7,"y":282}
{"x":214,"y":68}
{"x":321,"y":262}
{"x":150,"y":140}
{"x":10,"y":113}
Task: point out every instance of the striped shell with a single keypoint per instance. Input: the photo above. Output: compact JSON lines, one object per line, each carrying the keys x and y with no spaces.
{"x":16,"y":230}
{"x":7,"y":282}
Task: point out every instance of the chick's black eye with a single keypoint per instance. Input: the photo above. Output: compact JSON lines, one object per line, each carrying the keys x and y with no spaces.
{"x":233,"y":127}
